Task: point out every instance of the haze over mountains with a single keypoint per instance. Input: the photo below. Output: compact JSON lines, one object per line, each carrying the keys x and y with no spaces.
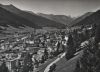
{"x":58,"y":18}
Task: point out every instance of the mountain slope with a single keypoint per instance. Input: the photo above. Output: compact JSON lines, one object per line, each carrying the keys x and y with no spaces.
{"x":58,"y":18}
{"x":94,"y":18}
{"x":8,"y":18}
{"x":77,"y":20}
{"x":38,"y":20}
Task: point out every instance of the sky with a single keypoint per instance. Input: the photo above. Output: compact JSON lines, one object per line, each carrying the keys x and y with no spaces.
{"x":72,"y":8}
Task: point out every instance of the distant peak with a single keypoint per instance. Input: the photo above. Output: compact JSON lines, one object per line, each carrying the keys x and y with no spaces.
{"x":0,"y":4}
{"x":43,"y":14}
{"x":11,"y":5}
{"x":98,"y":10}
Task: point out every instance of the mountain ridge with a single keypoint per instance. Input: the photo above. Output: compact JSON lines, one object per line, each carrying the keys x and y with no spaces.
{"x":38,"y":20}
{"x":90,"y":20}
{"x":80,"y":18}
{"x":8,"y":18}
{"x":58,"y":18}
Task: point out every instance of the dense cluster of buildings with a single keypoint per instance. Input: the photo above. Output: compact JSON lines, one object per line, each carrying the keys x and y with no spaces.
{"x":26,"y":52}
{"x":18,"y":49}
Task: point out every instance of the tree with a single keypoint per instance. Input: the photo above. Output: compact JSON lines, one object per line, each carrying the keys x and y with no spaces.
{"x":77,"y":69}
{"x":93,"y":30}
{"x":27,"y":63}
{"x":4,"y":68}
{"x":45,"y":54}
{"x":70,"y":40}
{"x":90,"y":61}
{"x":58,"y":46}
{"x":70,"y":49}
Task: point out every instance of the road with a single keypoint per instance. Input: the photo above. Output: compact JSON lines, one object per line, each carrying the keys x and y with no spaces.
{"x":77,"y":54}
{"x":68,"y":65}
{"x":48,"y":67}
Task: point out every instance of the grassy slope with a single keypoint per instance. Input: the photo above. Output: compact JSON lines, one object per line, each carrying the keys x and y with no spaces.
{"x":42,"y":67}
{"x":67,"y":66}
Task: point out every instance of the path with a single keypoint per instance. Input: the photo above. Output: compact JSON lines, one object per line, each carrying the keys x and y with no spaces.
{"x":48,"y":67}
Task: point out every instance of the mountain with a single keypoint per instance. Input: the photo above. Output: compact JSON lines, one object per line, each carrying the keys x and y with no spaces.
{"x":94,"y":18}
{"x":79,"y":19}
{"x":38,"y":20}
{"x":10,"y":19}
{"x":58,"y":18}
{"x":30,"y":12}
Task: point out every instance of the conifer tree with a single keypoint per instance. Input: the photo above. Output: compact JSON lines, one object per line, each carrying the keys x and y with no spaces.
{"x":70,"y":49}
